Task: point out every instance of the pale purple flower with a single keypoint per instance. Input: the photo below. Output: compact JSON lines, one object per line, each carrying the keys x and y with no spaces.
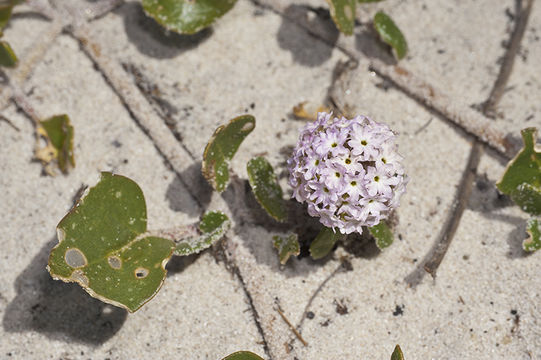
{"x":348,"y":172}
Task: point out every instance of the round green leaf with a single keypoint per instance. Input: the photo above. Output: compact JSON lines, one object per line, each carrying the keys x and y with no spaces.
{"x":5,"y":14}
{"x":287,"y":246}
{"x":266,"y":188}
{"x":390,"y":34}
{"x":221,"y":148}
{"x":243,"y":355}
{"x":383,"y":235}
{"x":397,"y":353}
{"x":324,"y":242}
{"x":343,"y":14}
{"x":186,"y":16}
{"x":102,"y":245}
{"x":7,"y":56}
{"x":522,"y":177}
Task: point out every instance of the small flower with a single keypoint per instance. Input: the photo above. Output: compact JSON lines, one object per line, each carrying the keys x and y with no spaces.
{"x":348,"y":172}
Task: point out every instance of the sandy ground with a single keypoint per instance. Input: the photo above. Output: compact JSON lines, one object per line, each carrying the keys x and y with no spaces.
{"x":263,"y":58}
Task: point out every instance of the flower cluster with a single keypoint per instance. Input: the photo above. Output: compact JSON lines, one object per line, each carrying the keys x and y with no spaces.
{"x":347,"y":171}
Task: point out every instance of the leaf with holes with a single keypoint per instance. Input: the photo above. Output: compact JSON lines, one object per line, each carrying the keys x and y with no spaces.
{"x":212,"y":227}
{"x":343,"y":14}
{"x":221,"y":148}
{"x":58,"y":132}
{"x":7,"y":56}
{"x":266,"y":188}
{"x":397,"y":353}
{"x":243,"y":355}
{"x":533,"y":228}
{"x":287,"y":246}
{"x":390,"y":34}
{"x":383,"y":235}
{"x":324,"y":242}
{"x":186,"y":16}
{"x":522,"y":177}
{"x":103,"y":246}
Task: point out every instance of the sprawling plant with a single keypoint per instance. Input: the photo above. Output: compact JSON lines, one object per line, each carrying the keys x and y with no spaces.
{"x":522,"y":182}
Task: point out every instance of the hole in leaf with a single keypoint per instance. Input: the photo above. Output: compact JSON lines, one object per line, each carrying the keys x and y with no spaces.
{"x":80,"y":277}
{"x":114,"y":262}
{"x":141,"y":273}
{"x":348,"y":12}
{"x":75,"y":258}
{"x":247,"y":127}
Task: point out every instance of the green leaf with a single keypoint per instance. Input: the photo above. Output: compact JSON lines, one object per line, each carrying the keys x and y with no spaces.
{"x":266,"y":188}
{"x":383,"y":235}
{"x":324,"y":242}
{"x":243,"y":355}
{"x":397,"y":353}
{"x":59,"y":131}
{"x":213,"y":227}
{"x":7,"y":56}
{"x":343,"y":14}
{"x":103,"y":245}
{"x":390,"y":34}
{"x":221,"y":148}
{"x":533,"y":228}
{"x":368,"y":1}
{"x":5,"y":14}
{"x":287,"y":246}
{"x":522,"y":177}
{"x":186,"y":16}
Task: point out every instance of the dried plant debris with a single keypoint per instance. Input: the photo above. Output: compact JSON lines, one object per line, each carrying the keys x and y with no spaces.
{"x":57,"y":132}
{"x":306,"y":111}
{"x":287,"y":245}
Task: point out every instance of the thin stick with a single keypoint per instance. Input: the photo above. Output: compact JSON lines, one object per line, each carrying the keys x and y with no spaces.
{"x":297,"y":334}
{"x":23,"y":103}
{"x":523,"y":13}
{"x":471,"y":121}
{"x":459,"y":205}
{"x":316,"y":292}
{"x":5,"y":119}
{"x":20,"y":74}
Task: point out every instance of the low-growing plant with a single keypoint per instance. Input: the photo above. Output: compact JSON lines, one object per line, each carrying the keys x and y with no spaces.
{"x":347,"y":172}
{"x":191,"y":16}
{"x":54,"y":135}
{"x":104,"y":245}
{"x":343,"y":15}
{"x":522,"y":182}
{"x":247,"y":355}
